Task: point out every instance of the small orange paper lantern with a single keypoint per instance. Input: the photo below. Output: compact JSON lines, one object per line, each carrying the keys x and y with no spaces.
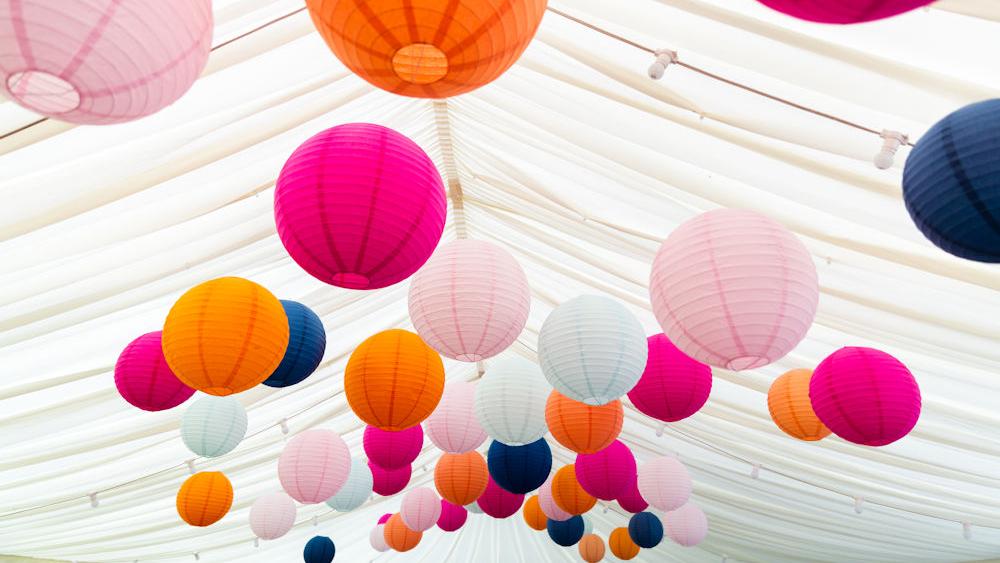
{"x":461,"y":478}
{"x":568,"y":493}
{"x":583,"y":428}
{"x":393,"y":380}
{"x":621,"y":544}
{"x":398,"y":536}
{"x":791,"y":409}
{"x":225,"y":336}
{"x":427,"y":48}
{"x":591,"y":548}
{"x":204,"y":498}
{"x":533,"y":514}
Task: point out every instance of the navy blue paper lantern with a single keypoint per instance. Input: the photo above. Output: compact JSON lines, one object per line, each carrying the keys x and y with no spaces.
{"x":951,"y":183}
{"x":320,"y":549}
{"x":520,"y":469}
{"x":567,"y":532}
{"x":306,"y":345}
{"x":645,"y":529}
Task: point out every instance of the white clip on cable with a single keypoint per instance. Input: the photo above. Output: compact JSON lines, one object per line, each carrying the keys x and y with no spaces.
{"x":197,"y":557}
{"x":284,"y":426}
{"x":891,"y":141}
{"x":660,"y":429}
{"x":858,"y":502}
{"x":664,"y":58}
{"x":967,"y":530}
{"x":755,"y":472}
{"x":256,"y":542}
{"x":93,"y":500}
{"x":315,"y":521}
{"x":481,"y":368}
{"x":190,"y":464}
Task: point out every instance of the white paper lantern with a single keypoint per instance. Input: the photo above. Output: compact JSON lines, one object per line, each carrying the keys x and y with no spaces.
{"x":453,"y":426}
{"x":420,"y":509}
{"x":377,"y":538}
{"x":664,"y":483}
{"x":356,"y":490}
{"x":213,"y":426}
{"x":687,"y":525}
{"x":592,"y":349}
{"x":272,"y":516}
{"x":510,"y":401}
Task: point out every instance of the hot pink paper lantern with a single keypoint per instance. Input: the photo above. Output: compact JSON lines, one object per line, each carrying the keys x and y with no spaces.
{"x":452,"y":517}
{"x":498,"y":502}
{"x":272,"y":516}
{"x":608,"y":473}
{"x":844,"y":11}
{"x":734,"y":289}
{"x":384,"y":518}
{"x":314,"y":466}
{"x":453,"y":426}
{"x":144,"y":379}
{"x":387,"y":482}
{"x":100,"y":61}
{"x":420,"y":509}
{"x":470,"y":301}
{"x":673,"y":386}
{"x":865,"y":396}
{"x":359,"y":206}
{"x":548,"y":504}
{"x":631,"y":500}
{"x":664,"y":483}
{"x":687,"y":525}
{"x":392,"y":450}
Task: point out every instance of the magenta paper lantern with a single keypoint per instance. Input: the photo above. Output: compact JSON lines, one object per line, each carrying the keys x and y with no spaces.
{"x":314,"y":466}
{"x":687,"y":525}
{"x":734,"y":289}
{"x":608,"y":473}
{"x":384,"y":518}
{"x":143,"y":377}
{"x":631,"y":500}
{"x":673,"y":386}
{"x":843,"y":11}
{"x":392,"y":450}
{"x":470,"y":301}
{"x":272,"y":516}
{"x":499,"y":502}
{"x":359,"y":206}
{"x":420,"y":509}
{"x":388,"y":482}
{"x":377,"y":538}
{"x":453,"y":426}
{"x":548,"y":504}
{"x":452,"y":517}
{"x":664,"y":483}
{"x":865,"y":396}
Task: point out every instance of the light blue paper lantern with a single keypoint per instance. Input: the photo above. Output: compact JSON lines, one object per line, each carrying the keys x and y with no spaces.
{"x":356,"y":490}
{"x":214,"y":426}
{"x":474,"y":508}
{"x":588,"y":525}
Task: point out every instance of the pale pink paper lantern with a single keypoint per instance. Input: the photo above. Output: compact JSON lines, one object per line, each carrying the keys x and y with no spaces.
{"x":548,"y":504}
{"x":392,"y":450}
{"x":687,"y":525}
{"x":377,"y":538}
{"x":470,"y":301}
{"x":272,"y":516}
{"x":664,"y":483}
{"x":386,"y":482}
{"x":101,"y":61}
{"x":314,"y":465}
{"x":734,"y":289}
{"x":453,"y":426}
{"x":420,"y":509}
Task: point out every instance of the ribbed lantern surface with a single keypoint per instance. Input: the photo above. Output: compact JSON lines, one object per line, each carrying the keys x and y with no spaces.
{"x":387,"y":482}
{"x":533,"y":515}
{"x":565,"y":532}
{"x":844,"y":11}
{"x":214,"y":426}
{"x":591,"y":548}
{"x":314,"y":465}
{"x":393,"y":450}
{"x":548,"y":504}
{"x":621,"y":544}
{"x":510,"y":401}
{"x":673,"y":386}
{"x":356,"y":489}
{"x":144,"y":379}
{"x":420,"y":509}
{"x":377,"y":538}
{"x":664,"y":483}
{"x":790,"y":407}
{"x":461,"y":478}
{"x":498,"y":502}
{"x":272,"y":516}
{"x":645,"y":529}
{"x":306,"y":345}
{"x":453,"y":426}
{"x":631,"y":500}
{"x":398,"y":537}
{"x":204,"y":498}
{"x":452,"y":517}
{"x":583,"y":428}
{"x":319,"y":549}
{"x":520,"y":469}
{"x":568,"y":493}
{"x":687,"y":525}
{"x":607,"y":474}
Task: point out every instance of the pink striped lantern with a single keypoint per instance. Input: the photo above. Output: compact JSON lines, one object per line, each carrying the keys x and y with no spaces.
{"x":384,"y":518}
{"x":314,"y":465}
{"x":664,"y":483}
{"x":359,"y":206}
{"x":843,"y":11}
{"x":97,"y":62}
{"x":499,"y":502}
{"x":453,"y":426}
{"x":865,"y":396}
{"x":631,"y":500}
{"x":272,"y":516}
{"x":377,"y":537}
{"x":144,"y":379}
{"x":673,"y":386}
{"x":420,"y":509}
{"x":548,"y":504}
{"x":392,"y":450}
{"x":387,"y":482}
{"x":608,"y":473}
{"x":452,"y":517}
{"x":470,"y":301}
{"x":734,"y":289}
{"x":687,"y":525}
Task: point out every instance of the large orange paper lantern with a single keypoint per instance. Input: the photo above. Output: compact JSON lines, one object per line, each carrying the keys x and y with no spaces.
{"x":394,"y":380}
{"x":204,"y":498}
{"x":583,"y":428}
{"x":533,"y":515}
{"x":461,"y":478}
{"x":398,"y":536}
{"x":225,"y":336}
{"x":791,"y":409}
{"x":568,"y":493}
{"x":427,"y":48}
{"x":621,"y":544}
{"x":591,"y":548}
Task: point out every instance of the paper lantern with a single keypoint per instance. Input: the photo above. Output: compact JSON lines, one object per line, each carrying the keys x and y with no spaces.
{"x":631,"y":500}
{"x":470,"y":301}
{"x":510,"y":401}
{"x":583,"y":428}
{"x":533,"y":515}
{"x":608,"y":473}
{"x":548,"y":504}
{"x":473,"y":508}
{"x":359,"y":206}
{"x":384,"y":518}
{"x":314,"y":466}
{"x":734,"y":289}
{"x":673,"y":386}
{"x":461,"y":478}
{"x":319,"y":549}
{"x":420,"y":509}
{"x":426,"y":49}
{"x":687,"y":525}
{"x":452,"y":517}
{"x":143,"y":377}
{"x":498,"y":502}
{"x":591,"y":548}
{"x":214,"y":426}
{"x":453,"y":426}
{"x":392,"y":450}
{"x":565,"y":532}
{"x":621,"y":544}
{"x":393,"y":380}
{"x":387,"y":482}
{"x":645,"y":529}
{"x":306,"y":345}
{"x":225,"y":336}
{"x":568,"y":493}
{"x":664,"y":483}
{"x":272,"y":516}
{"x":951,"y":183}
{"x":592,"y":349}
{"x":843,"y":11}
{"x":97,"y":62}
{"x":520,"y":469}
{"x":377,"y":538}
{"x":790,"y":408}
{"x":204,"y":498}
{"x":398,"y":537}
{"x":865,"y":396}
{"x":356,"y":489}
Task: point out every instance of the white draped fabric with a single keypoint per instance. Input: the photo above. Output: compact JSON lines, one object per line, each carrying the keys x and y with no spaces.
{"x":580,"y":165}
